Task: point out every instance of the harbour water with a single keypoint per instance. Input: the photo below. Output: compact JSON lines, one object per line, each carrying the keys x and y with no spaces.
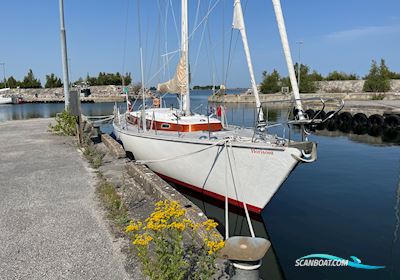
{"x":345,"y":204}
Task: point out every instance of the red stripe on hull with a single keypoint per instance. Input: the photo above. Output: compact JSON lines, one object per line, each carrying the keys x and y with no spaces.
{"x":231,"y":201}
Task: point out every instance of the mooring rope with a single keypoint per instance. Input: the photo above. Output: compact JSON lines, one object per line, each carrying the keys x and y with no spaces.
{"x":236,"y":188}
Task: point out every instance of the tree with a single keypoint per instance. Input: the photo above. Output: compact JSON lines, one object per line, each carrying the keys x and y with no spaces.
{"x":315,"y":76}
{"x":271,"y":82}
{"x":340,"y":76}
{"x":104,"y":78}
{"x":52,"y":81}
{"x":30,"y":81}
{"x":127,"y":79}
{"x":307,"y":81}
{"x":378,"y":78}
{"x":12,"y":82}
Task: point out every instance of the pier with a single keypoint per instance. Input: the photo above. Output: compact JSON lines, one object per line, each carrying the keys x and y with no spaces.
{"x":53,"y":222}
{"x":51,"y":226}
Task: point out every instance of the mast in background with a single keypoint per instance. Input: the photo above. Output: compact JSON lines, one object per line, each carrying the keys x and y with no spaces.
{"x":185,"y":52}
{"x":64,"y":56}
{"x":238,"y":23}
{"x":286,"y":49}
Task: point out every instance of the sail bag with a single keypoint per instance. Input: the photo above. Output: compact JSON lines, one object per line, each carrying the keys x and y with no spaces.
{"x":178,"y":83}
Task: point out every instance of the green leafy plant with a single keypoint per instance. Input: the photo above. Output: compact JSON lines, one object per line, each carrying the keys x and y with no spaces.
{"x":159,"y":244}
{"x":65,"y":124}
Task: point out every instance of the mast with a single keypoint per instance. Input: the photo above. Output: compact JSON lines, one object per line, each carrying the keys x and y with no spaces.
{"x":238,"y":23}
{"x":143,"y":91}
{"x":64,"y":55}
{"x":286,"y":49}
{"x":185,"y":53}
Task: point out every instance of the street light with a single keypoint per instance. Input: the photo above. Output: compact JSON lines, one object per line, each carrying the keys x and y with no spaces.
{"x":299,"y":63}
{"x":4,"y":73}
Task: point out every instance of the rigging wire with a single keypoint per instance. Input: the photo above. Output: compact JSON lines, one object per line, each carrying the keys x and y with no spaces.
{"x":176,"y":26}
{"x":197,"y":12}
{"x":201,"y":42}
{"x":229,"y":64}
{"x":125,"y":39}
{"x":166,"y":62}
{"x":154,"y":47}
{"x":213,"y":60}
{"x":223,"y":41}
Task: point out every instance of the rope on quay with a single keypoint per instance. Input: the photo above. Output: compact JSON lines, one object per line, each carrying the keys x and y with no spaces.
{"x":98,"y":120}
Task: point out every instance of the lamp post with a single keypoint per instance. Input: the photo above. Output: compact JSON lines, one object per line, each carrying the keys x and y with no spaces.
{"x":64,"y":56}
{"x":4,"y":73}
{"x":299,"y":63}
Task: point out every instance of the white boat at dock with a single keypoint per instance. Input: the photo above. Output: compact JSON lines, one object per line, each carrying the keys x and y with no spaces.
{"x":245,"y":165}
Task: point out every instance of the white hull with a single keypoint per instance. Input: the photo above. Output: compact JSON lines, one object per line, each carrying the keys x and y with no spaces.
{"x":5,"y":100}
{"x":259,"y":168}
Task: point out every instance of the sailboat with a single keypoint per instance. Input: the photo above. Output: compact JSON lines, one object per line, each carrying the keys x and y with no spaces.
{"x":243,"y":166}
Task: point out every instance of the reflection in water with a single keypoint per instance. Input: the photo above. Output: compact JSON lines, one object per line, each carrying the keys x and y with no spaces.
{"x":396,"y":231}
{"x":386,"y":136}
{"x":214,"y":209}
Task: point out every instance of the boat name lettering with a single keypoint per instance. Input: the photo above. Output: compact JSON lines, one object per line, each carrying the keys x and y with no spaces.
{"x":261,"y":152}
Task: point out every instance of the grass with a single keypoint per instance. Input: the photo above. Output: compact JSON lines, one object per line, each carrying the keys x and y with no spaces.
{"x":116,"y":209}
{"x":378,"y":97}
{"x":94,"y":156}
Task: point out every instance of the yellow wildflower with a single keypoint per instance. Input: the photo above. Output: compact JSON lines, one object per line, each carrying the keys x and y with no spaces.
{"x":210,"y":224}
{"x":177,"y":226}
{"x":142,"y":239}
{"x":133,"y":226}
{"x":214,"y":246}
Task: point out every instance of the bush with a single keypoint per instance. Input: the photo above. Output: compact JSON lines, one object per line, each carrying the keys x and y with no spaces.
{"x":65,"y":124}
{"x":158,"y":243}
{"x":378,"y":78}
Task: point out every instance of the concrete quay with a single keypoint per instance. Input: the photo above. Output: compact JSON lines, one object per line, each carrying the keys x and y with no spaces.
{"x":51,"y":226}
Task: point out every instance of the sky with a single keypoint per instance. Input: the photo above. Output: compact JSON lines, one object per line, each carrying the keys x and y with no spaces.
{"x":103,"y":35}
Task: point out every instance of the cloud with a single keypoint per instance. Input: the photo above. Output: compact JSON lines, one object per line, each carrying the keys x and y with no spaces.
{"x":362,"y":32}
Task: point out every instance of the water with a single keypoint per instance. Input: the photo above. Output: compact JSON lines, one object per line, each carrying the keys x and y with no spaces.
{"x":345,"y":204}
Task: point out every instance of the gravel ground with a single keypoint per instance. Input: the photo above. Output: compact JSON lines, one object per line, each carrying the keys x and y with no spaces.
{"x":51,"y":226}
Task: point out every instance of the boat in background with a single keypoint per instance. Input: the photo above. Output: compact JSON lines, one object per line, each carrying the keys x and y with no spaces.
{"x":4,"y":99}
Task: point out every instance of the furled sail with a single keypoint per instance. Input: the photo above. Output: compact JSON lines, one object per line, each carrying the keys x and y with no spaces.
{"x":178,"y":83}
{"x":238,"y":22}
